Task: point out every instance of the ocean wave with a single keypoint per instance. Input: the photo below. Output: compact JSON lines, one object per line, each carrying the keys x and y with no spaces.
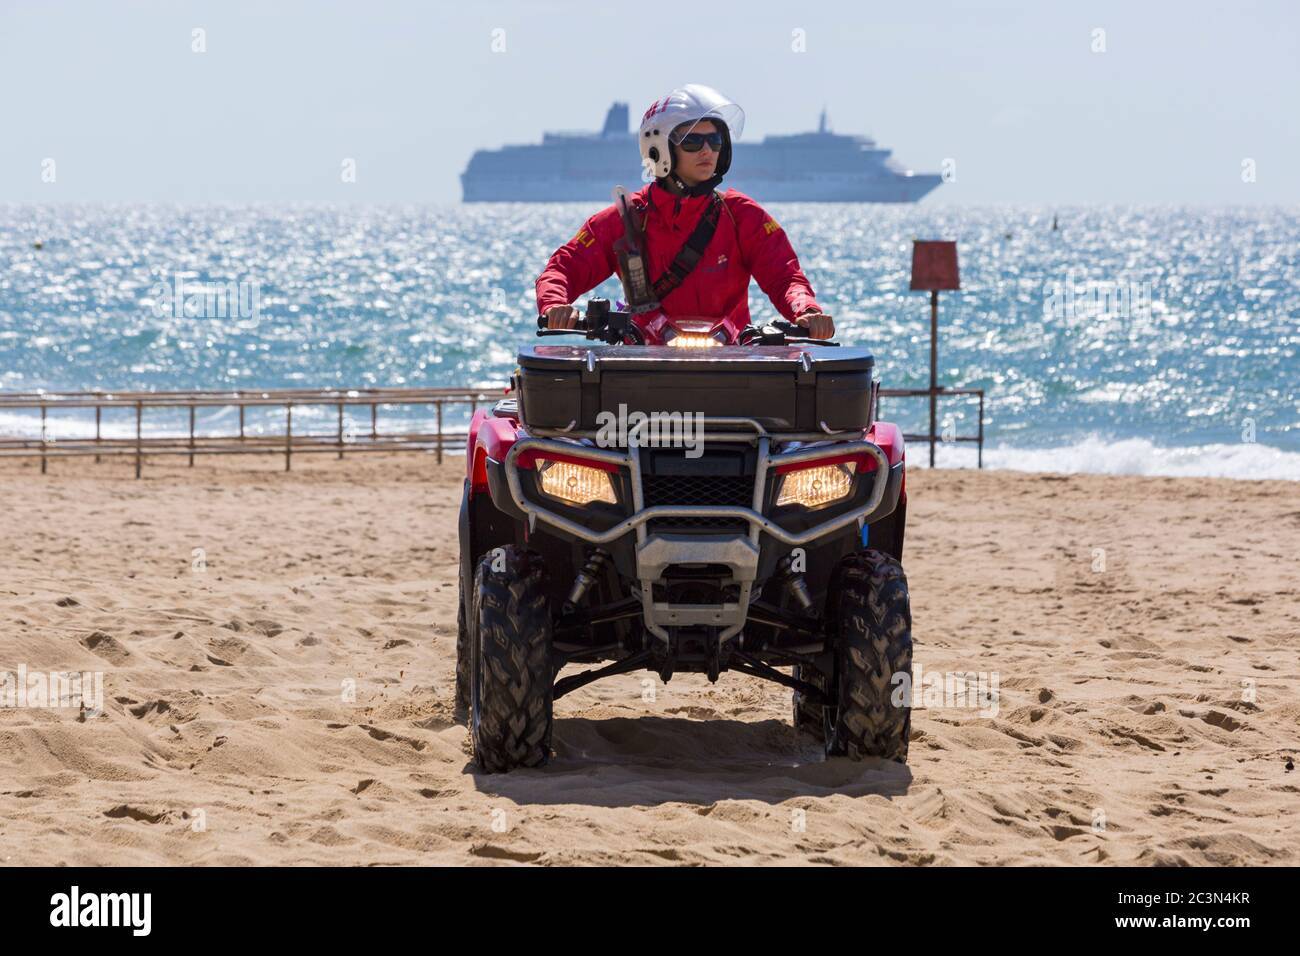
{"x":1096,"y":455}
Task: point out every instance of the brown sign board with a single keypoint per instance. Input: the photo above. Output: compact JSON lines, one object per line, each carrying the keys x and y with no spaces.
{"x":934,"y":264}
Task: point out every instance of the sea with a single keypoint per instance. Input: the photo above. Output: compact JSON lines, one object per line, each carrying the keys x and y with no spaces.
{"x":1154,"y":340}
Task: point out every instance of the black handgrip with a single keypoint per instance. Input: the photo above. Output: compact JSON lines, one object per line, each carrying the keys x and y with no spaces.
{"x":544,"y":323}
{"x":583,"y":327}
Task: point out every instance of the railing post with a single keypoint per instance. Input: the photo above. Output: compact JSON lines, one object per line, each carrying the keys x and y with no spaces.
{"x":43,"y":439}
{"x":439,"y":407}
{"x":374,"y":417}
{"x":934,"y":368}
{"x":979,"y":455}
{"x":139,"y":411}
{"x":340,"y":431}
{"x":191,"y":436}
{"x":288,"y":433}
{"x":98,"y":410}
{"x":241,"y":422}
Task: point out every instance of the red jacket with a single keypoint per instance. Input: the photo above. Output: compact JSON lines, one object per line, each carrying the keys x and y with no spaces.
{"x":746,"y":243}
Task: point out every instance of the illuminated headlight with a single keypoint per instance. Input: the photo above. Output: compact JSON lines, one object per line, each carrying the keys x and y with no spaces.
{"x":813,"y":487}
{"x":578,"y":484}
{"x":688,"y":341}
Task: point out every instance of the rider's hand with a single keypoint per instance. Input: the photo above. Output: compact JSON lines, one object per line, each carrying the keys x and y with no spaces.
{"x":562,"y":317}
{"x":819,"y":324}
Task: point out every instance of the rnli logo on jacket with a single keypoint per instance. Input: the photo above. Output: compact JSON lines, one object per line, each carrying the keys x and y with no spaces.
{"x":770,"y":227}
{"x":584,"y":238}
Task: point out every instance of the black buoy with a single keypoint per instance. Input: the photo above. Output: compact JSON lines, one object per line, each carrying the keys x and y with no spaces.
{"x":38,"y":244}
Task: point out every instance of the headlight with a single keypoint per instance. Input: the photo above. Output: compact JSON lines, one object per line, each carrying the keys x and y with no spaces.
{"x":813,"y":487}
{"x":578,"y":484}
{"x":687,"y":341}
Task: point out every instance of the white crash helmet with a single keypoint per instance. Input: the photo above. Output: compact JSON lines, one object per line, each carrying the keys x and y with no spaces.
{"x":687,"y":104}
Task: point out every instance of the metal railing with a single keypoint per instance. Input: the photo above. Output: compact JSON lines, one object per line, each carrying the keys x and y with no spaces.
{"x":192,"y":444}
{"x":288,"y":442}
{"x":941,"y":438}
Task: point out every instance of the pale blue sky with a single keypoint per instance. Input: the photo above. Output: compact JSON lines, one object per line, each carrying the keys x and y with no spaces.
{"x":1010,"y":90}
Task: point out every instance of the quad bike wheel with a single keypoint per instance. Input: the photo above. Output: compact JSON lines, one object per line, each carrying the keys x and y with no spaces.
{"x":510,"y":667}
{"x":871,"y":624}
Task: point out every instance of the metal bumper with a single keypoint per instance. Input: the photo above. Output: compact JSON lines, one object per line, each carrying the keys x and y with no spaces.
{"x":660,"y":551}
{"x":656,"y":552}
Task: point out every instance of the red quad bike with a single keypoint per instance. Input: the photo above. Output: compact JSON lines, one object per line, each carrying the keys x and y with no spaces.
{"x":746,"y":514}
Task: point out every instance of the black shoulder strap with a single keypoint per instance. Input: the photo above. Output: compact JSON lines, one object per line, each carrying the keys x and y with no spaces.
{"x":688,"y":256}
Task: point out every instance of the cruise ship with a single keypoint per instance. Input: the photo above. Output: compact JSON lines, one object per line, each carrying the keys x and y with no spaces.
{"x":819,"y":166}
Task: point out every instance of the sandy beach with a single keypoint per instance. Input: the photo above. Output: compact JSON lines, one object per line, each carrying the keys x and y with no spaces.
{"x":278,"y":654}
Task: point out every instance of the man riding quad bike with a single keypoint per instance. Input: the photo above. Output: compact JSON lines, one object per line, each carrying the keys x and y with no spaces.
{"x":695,"y":249}
{"x":693,"y":494}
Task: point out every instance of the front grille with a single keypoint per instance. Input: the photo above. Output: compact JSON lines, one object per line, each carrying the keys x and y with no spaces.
{"x":684,"y":490}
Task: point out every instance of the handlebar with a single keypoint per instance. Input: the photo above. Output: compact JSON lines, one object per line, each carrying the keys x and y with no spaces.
{"x":543,"y":328}
{"x":597,"y":310}
{"x":781,"y":332}
{"x":600,"y":323}
{"x":612,"y":327}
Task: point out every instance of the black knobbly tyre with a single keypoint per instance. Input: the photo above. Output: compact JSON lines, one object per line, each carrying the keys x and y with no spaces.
{"x":809,"y":715}
{"x":510,"y":673}
{"x":463,"y":655}
{"x":871,"y":625}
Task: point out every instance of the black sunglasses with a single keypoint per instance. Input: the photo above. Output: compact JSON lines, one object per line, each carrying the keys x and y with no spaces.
{"x":694,"y":142}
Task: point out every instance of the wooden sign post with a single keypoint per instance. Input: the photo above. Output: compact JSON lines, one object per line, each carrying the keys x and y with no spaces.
{"x":934,"y":267}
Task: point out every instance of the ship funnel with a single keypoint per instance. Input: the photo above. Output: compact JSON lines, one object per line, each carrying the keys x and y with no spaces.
{"x":616,"y":121}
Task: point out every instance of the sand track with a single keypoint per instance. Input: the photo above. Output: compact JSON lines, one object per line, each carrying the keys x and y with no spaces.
{"x":1145,"y":632}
